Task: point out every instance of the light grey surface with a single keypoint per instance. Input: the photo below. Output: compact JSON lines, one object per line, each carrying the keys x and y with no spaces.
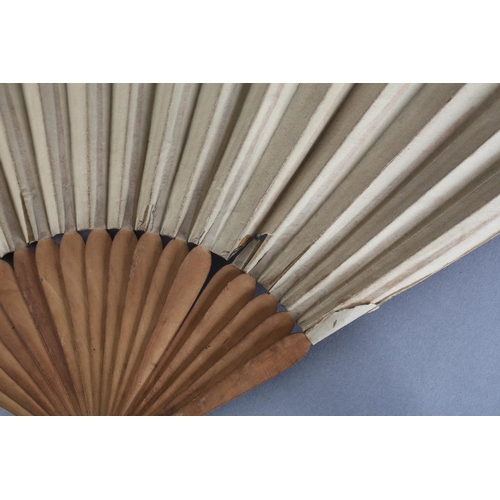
{"x":433,"y":350}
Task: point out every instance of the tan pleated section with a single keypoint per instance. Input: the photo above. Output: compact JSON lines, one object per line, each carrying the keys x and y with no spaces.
{"x":19,"y":164}
{"x":132,"y":106}
{"x":335,"y":197}
{"x":416,"y":115}
{"x":172,"y":114}
{"x":90,"y":120}
{"x":47,"y":107}
{"x":260,"y":117}
{"x":216,"y":111}
{"x":11,"y":234}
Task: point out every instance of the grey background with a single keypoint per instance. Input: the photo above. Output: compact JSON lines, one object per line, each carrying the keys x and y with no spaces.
{"x":433,"y":350}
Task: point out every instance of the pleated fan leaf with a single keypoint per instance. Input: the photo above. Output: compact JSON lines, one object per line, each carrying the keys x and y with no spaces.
{"x":334,"y":197}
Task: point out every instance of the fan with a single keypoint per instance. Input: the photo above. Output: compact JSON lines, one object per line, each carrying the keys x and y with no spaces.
{"x":174,"y":203}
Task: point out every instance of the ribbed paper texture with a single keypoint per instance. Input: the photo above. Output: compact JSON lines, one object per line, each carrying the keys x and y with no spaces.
{"x":334,"y":197}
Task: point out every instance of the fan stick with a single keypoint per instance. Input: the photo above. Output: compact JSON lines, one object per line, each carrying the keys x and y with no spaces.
{"x":16,"y":309}
{"x":231,"y":300}
{"x":185,"y":289}
{"x":144,"y":262}
{"x":122,"y":250}
{"x":201,"y":306}
{"x":48,"y":263}
{"x":72,"y":253}
{"x":211,"y":350}
{"x":29,"y":283}
{"x":12,"y":346}
{"x":97,"y":252}
{"x":271,"y":362}
{"x":16,"y":393}
{"x":14,"y":369}
{"x":168,"y":266}
{"x":260,"y":338}
{"x":13,"y":407}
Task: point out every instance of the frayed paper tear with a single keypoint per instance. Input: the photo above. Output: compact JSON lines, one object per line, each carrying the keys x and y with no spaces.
{"x":337,"y":320}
